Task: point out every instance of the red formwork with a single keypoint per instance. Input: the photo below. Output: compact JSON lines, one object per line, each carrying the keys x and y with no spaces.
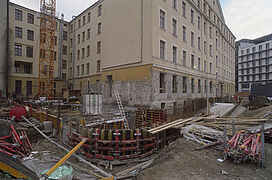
{"x":120,"y":144}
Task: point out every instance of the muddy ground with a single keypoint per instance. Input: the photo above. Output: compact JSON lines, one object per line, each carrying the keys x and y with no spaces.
{"x":180,"y":161}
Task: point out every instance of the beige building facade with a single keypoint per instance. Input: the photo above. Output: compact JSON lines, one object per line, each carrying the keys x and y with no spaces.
{"x":155,"y":53}
{"x":24,"y":28}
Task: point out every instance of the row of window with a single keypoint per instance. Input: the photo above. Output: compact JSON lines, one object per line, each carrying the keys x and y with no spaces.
{"x":255,"y":63}
{"x":83,"y":72}
{"x":99,"y":26}
{"x":226,"y":47}
{"x":258,"y":77}
{"x":20,"y":67}
{"x":99,"y":13}
{"x":18,"y":32}
{"x":19,"y":16}
{"x":18,"y":87}
{"x":207,"y":11}
{"x":255,"y":70}
{"x":88,"y":51}
{"x":255,"y":56}
{"x":253,"y":49}
{"x":185,"y":84}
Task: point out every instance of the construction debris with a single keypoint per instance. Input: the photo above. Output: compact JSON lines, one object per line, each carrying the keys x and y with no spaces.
{"x":243,"y":147}
{"x":16,"y":144}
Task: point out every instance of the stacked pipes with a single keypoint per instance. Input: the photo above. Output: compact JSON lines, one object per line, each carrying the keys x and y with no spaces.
{"x":243,"y":147}
{"x":16,"y":145}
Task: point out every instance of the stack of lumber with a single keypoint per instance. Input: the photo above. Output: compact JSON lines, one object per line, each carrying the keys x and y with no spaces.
{"x":240,"y":123}
{"x":178,"y":124}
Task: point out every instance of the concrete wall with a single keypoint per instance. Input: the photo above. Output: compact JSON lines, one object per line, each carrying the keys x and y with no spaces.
{"x":3,"y":45}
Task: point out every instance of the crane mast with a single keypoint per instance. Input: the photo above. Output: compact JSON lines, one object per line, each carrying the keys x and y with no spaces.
{"x":47,"y":48}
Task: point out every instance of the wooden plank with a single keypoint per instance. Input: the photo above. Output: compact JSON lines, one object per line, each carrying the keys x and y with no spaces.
{"x":172,"y":125}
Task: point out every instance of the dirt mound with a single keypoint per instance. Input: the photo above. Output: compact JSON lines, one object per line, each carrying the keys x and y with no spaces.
{"x":180,"y":161}
{"x":258,"y":113}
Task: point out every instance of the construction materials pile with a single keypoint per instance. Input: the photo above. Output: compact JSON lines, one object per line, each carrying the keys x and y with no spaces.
{"x":243,"y":147}
{"x":15,"y":144}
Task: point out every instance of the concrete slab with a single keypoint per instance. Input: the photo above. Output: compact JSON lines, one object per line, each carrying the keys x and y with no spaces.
{"x":221,"y":108}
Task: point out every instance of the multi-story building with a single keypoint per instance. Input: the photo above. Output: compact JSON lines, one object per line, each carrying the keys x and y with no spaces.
{"x":3,"y":46}
{"x":254,"y":62}
{"x":24,"y":25}
{"x":156,"y":53}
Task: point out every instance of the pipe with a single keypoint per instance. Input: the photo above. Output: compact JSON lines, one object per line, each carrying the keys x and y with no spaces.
{"x":74,"y":155}
{"x":8,"y":56}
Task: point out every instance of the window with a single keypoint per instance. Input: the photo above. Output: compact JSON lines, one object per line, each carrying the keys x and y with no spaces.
{"x":56,"y":40}
{"x":216,"y":44}
{"x":267,"y":45}
{"x":98,"y":47}
{"x":205,"y":27}
{"x":174,"y":27}
{"x":211,"y":50}
{"x":56,"y":26}
{"x":29,"y":51}
{"x":78,"y":38}
{"x":211,"y":68}
{"x":77,"y":70}
{"x":192,"y":39}
{"x":88,"y":33}
{"x":174,"y":84}
{"x":98,"y":66}
{"x":88,"y":51}
{"x":82,"y":69}
{"x":79,"y":23}
{"x":205,"y":66}
{"x":89,"y":17}
{"x":30,"y":18}
{"x":199,"y":64}
{"x":18,"y":32}
{"x":184,"y":33}
{"x":174,"y":4}
{"x":28,"y":88}
{"x":184,"y":58}
{"x":27,"y":68}
{"x":192,"y":16}
{"x":199,"y":86}
{"x":18,"y":50}
{"x":84,"y":20}
{"x":100,"y":10}
{"x":192,"y":85}
{"x":205,"y":87}
{"x":198,"y":22}
{"x":17,"y":67}
{"x":162,"y":49}
{"x":210,"y":32}
{"x":183,"y":9}
{"x":260,"y":47}
{"x":88,"y":68}
{"x":184,"y":85}
{"x":64,"y":50}
{"x":64,"y":64}
{"x":99,"y":28}
{"x":198,"y":43}
{"x":162,"y":19}
{"x":162,"y":83}
{"x":174,"y":54}
{"x":83,"y":53}
{"x":83,"y":36}
{"x":78,"y":54}
{"x":64,"y":76}
{"x":18,"y":86}
{"x":55,"y":55}
{"x":18,"y":15}
{"x":192,"y":61}
{"x":65,"y":35}
{"x":211,"y":87}
{"x":205,"y":47}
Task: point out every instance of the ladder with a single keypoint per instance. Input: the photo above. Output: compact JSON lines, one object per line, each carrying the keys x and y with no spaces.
{"x":121,"y":109}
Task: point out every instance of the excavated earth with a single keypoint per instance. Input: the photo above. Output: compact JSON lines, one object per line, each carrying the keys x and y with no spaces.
{"x":180,"y":161}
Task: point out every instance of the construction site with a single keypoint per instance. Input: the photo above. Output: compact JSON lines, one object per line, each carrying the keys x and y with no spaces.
{"x":78,"y":102}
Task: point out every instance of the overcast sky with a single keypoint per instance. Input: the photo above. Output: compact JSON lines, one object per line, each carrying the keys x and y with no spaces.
{"x":245,"y":18}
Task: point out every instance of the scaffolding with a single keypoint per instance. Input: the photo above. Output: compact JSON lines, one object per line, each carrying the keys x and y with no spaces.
{"x":47,"y":48}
